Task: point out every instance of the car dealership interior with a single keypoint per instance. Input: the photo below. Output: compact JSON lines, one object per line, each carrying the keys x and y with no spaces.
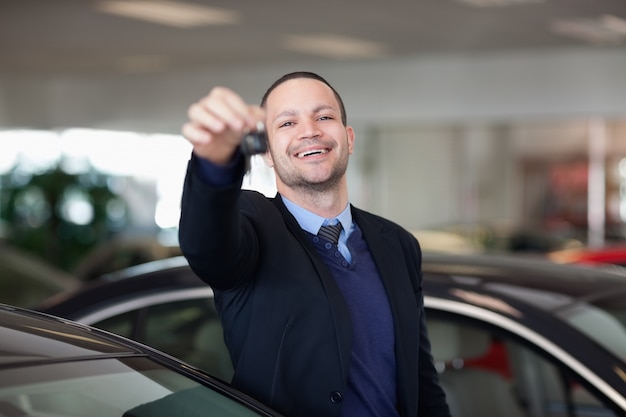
{"x":483,"y":127}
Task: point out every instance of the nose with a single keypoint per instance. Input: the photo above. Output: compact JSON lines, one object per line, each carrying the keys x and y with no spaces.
{"x":309,"y":129}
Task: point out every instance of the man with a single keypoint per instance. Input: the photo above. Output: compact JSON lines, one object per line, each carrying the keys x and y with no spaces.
{"x":314,"y":327}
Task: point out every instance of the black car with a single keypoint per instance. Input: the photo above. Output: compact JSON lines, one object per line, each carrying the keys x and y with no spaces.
{"x":51,"y":367}
{"x":511,"y":336}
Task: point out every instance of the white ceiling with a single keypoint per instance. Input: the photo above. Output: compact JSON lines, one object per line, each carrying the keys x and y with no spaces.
{"x":40,"y":37}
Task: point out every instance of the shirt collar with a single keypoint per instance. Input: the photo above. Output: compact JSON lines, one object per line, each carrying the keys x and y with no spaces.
{"x":311,"y":222}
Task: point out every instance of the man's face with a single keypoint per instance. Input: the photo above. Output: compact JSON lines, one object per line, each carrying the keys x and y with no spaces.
{"x":309,"y":145}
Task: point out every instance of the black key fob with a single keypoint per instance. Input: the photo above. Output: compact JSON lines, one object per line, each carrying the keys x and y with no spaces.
{"x":254,"y":143}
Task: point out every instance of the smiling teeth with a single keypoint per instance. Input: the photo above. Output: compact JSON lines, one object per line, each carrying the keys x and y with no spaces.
{"x":315,"y":152}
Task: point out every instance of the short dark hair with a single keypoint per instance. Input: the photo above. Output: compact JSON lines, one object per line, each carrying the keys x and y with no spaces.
{"x":313,"y":76}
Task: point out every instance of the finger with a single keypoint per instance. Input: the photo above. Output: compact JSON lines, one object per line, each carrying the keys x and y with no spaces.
{"x":195,"y":134}
{"x":228,"y":107}
{"x":200,"y":115}
{"x":257,"y":115}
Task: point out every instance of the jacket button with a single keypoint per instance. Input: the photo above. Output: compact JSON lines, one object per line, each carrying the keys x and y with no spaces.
{"x":335,"y":397}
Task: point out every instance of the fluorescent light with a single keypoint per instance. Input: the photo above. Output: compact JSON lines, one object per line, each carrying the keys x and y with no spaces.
{"x":614,"y":23}
{"x":496,"y":3}
{"x":334,"y":46}
{"x":599,"y":31}
{"x":170,"y":13}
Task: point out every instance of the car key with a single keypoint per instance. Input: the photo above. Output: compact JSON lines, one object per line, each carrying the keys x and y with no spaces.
{"x":254,"y":143}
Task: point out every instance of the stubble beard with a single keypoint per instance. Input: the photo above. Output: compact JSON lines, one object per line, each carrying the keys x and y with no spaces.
{"x":301,"y":183}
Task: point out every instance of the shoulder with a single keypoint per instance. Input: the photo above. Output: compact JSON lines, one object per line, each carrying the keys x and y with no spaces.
{"x":252,"y":197}
{"x":257,"y":205}
{"x":376,"y":223}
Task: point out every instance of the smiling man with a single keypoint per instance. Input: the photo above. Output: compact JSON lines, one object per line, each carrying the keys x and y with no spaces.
{"x":321,"y":302}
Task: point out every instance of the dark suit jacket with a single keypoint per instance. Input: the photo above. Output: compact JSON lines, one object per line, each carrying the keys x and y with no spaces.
{"x":285,"y":321}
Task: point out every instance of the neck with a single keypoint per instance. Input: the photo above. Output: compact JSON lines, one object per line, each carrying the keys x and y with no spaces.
{"x":327,"y":204}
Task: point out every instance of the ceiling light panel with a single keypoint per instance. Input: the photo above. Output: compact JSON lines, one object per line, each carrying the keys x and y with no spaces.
{"x":614,"y":23}
{"x":605,"y":30}
{"x":170,"y":13}
{"x":496,"y":3}
{"x":334,"y":46}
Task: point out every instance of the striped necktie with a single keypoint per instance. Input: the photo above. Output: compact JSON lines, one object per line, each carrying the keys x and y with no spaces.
{"x":330,"y":232}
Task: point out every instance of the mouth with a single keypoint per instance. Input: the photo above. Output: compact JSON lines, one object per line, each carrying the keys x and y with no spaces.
{"x":312,"y":152}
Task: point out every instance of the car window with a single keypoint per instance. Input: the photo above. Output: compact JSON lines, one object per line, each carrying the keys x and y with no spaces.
{"x":122,"y":324}
{"x":603,"y":319}
{"x":488,"y":374}
{"x":131,"y":387}
{"x":189,"y":330}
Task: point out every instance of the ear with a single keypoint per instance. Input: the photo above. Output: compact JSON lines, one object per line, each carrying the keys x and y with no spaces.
{"x":267,"y":157}
{"x":350,"y":138}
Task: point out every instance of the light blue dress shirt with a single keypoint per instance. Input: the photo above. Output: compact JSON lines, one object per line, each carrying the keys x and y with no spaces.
{"x":311,"y":222}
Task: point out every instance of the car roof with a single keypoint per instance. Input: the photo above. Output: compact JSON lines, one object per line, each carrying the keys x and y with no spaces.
{"x":153,"y":277}
{"x":531,"y":272}
{"x":28,"y":337}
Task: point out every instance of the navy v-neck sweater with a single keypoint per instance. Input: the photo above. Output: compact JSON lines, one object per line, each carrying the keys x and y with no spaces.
{"x":372,"y":375}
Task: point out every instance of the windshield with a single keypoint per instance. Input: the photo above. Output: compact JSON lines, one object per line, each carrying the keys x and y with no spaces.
{"x":134,"y":387}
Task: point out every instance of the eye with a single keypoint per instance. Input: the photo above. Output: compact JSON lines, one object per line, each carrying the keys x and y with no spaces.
{"x":286,"y":124}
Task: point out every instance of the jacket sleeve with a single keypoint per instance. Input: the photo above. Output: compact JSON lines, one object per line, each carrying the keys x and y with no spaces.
{"x":218,"y":241}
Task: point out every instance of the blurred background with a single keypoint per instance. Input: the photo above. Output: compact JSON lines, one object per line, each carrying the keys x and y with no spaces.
{"x":482,"y":125}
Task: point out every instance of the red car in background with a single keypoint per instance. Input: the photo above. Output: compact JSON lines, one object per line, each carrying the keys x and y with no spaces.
{"x":614,"y":255}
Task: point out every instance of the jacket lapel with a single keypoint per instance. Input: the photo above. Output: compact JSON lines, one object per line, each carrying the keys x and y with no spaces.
{"x":389,"y":256}
{"x":338,"y":306}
